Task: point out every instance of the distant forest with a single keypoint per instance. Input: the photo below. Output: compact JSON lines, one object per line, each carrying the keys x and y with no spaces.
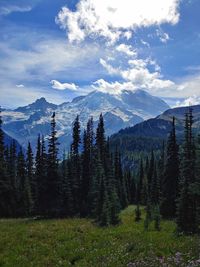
{"x":91,"y":182}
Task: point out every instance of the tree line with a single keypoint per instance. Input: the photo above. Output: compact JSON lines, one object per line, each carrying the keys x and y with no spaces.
{"x":88,"y":182}
{"x":169,"y":187}
{"x":91,"y":182}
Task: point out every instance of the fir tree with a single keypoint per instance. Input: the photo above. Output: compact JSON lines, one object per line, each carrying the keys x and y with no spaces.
{"x":186,"y":210}
{"x":75,"y":166}
{"x":31,"y":178}
{"x":171,"y":176}
{"x":24,"y":190}
{"x":140,"y":183}
{"x":53,"y":180}
{"x":120,"y":181}
{"x":87,"y":166}
{"x":5,"y":186}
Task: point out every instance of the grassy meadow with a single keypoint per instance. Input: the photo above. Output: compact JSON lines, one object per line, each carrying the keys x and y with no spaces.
{"x":79,"y":242}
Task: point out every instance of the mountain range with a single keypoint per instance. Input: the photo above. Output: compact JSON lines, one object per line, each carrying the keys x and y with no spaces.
{"x":119,"y":110}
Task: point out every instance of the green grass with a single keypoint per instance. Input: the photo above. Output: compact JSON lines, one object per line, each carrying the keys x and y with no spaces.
{"x":78,"y":242}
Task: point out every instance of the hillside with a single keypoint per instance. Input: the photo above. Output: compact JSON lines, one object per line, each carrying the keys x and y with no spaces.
{"x":150,"y":134}
{"x":78,"y":242}
{"x":157,"y":128}
{"x":119,"y":110}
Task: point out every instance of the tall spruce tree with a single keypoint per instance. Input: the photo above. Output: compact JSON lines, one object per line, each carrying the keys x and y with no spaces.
{"x":87,"y":166}
{"x":31,"y":179}
{"x":53,"y":183}
{"x":186,"y":209}
{"x":120,"y":181}
{"x":76,"y":166}
{"x":24,"y":189}
{"x":5,"y":186}
{"x":171,"y":176}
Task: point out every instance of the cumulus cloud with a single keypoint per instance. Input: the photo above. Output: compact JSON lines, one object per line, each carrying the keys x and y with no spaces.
{"x":112,"y":87}
{"x":139,"y":75}
{"x":126,"y":49}
{"x":97,"y":18}
{"x":63,"y":86}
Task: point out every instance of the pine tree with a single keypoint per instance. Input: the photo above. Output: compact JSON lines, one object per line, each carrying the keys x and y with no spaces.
{"x":120,"y":181}
{"x":53,"y":180}
{"x":171,"y":176}
{"x":12,"y":173}
{"x":41,"y":176}
{"x":24,"y":190}
{"x":103,"y":204}
{"x":155,"y":188}
{"x":186,"y":210}
{"x":150,"y":171}
{"x":140,"y":183}
{"x":112,"y":189}
{"x":5,"y":186}
{"x":31,"y":179}
{"x":76,"y":167}
{"x":101,"y":140}
{"x":87,"y":166}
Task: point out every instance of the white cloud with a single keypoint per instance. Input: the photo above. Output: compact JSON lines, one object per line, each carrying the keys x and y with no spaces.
{"x":139,"y":75}
{"x":145,"y":43}
{"x":47,"y":59}
{"x":19,"y":85}
{"x":113,"y":19}
{"x":126,"y":49}
{"x":112,"y":87}
{"x":163,"y":36}
{"x":6,"y":10}
{"x":63,"y":86}
{"x":190,"y":101}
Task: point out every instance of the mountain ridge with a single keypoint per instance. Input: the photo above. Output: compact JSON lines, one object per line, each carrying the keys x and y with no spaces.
{"x":119,"y":110}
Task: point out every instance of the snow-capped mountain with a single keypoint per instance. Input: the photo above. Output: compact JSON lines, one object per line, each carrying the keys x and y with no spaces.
{"x":122,"y":110}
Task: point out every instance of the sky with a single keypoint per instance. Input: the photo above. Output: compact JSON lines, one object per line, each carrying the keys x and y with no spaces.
{"x":65,"y":48}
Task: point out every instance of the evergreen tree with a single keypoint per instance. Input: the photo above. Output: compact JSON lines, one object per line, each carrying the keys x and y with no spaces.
{"x":120,"y":181}
{"x":31,"y":178}
{"x":140,"y":183}
{"x":171,"y":176}
{"x":103,"y":204}
{"x":12,"y":172}
{"x":24,"y":190}
{"x":87,"y":166}
{"x":5,"y":187}
{"x":53,"y":180}
{"x":101,"y":140}
{"x":155,"y":188}
{"x":41,"y":176}
{"x":150,"y":171}
{"x":76,"y":167}
{"x":187,"y":209}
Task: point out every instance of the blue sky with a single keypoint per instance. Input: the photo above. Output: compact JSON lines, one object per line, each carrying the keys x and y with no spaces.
{"x":59,"y":53}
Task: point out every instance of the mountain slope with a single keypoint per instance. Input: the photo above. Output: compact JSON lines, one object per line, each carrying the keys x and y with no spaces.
{"x":120,"y":111}
{"x":9,"y":140}
{"x":151,"y":133}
